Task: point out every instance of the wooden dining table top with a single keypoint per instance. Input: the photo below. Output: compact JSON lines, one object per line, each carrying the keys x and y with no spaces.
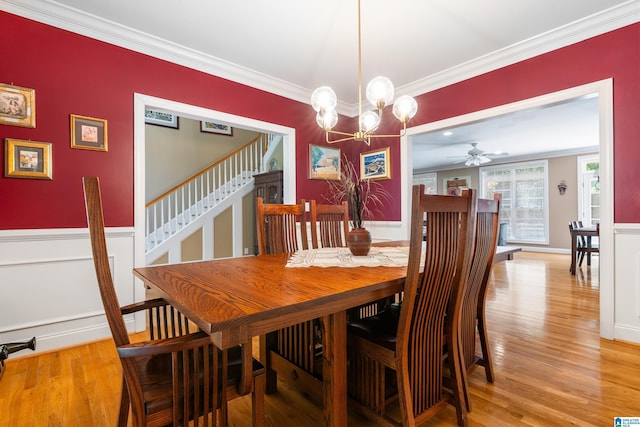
{"x":234,"y":299}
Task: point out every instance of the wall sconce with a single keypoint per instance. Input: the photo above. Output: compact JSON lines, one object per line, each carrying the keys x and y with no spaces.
{"x":562,"y":187}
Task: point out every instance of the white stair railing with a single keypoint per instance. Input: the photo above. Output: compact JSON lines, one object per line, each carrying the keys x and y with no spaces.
{"x":174,"y":210}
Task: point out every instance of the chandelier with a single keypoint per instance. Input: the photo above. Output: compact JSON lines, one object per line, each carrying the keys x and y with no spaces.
{"x":379,"y":92}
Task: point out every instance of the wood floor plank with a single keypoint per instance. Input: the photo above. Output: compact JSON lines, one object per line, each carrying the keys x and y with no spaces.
{"x":551,"y":367}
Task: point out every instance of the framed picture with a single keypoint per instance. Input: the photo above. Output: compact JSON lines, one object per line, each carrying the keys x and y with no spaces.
{"x":88,"y":133}
{"x":17,"y":106}
{"x":27,"y":159}
{"x":454,"y":186}
{"x":375,"y":164}
{"x":324,"y":162}
{"x":213,"y":127}
{"x":161,"y":118}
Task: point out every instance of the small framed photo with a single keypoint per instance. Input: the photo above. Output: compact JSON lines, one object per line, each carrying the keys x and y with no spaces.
{"x":324,"y":162}
{"x":375,"y":164}
{"x":88,"y":133}
{"x":213,"y":127}
{"x":161,"y":118}
{"x":27,"y":159}
{"x":17,"y":106}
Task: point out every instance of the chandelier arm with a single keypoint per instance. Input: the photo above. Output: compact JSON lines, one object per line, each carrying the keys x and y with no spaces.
{"x":348,"y":138}
{"x":375,"y":135}
{"x":337,"y":132}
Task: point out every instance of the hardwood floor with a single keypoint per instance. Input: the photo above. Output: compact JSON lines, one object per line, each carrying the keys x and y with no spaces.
{"x":552,"y":369}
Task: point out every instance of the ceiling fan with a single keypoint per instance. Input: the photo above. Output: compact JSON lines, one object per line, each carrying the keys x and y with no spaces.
{"x":477,"y":157}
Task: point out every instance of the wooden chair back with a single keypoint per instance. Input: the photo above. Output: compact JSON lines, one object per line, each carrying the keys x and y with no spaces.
{"x":432,"y":297}
{"x":473,"y":303}
{"x":277,"y":227}
{"x":95,"y":220}
{"x":176,"y":375}
{"x":329,"y":225}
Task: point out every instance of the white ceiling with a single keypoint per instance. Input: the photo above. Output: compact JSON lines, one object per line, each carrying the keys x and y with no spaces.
{"x":290,"y":47}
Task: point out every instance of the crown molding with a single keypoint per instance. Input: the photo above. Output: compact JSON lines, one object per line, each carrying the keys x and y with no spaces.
{"x":60,"y":16}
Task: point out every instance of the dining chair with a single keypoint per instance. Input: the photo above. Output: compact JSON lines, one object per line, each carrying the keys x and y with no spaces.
{"x":177,"y":375}
{"x":330,"y":223}
{"x":277,"y":227}
{"x":473,"y":302}
{"x":397,"y":355}
{"x":583,"y":247}
{"x":293,"y":352}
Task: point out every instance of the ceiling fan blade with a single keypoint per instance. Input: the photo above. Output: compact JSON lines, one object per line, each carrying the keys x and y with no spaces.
{"x":483,"y":159}
{"x":497,"y":154}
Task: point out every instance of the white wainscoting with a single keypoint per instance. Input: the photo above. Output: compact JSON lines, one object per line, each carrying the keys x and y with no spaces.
{"x":48,"y":286}
{"x":627,"y":282}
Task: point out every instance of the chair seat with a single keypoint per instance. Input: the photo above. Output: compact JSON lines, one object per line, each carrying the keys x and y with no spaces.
{"x":380,"y":329}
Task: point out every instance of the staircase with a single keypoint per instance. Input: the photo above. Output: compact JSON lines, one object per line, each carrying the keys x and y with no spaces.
{"x":189,"y":205}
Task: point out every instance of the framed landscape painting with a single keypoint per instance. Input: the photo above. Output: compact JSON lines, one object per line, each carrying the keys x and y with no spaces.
{"x":375,"y":164}
{"x":324,"y":162}
{"x":213,"y":127}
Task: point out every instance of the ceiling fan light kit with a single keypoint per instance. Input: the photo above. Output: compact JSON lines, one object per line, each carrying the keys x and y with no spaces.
{"x":477,"y":157}
{"x":379,"y":93}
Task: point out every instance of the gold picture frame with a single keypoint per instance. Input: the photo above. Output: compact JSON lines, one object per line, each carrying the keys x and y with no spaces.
{"x":88,"y":133}
{"x":375,"y":164}
{"x":27,"y":159}
{"x":17,"y":106}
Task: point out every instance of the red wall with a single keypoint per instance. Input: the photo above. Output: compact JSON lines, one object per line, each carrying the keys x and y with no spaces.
{"x":73,"y":74}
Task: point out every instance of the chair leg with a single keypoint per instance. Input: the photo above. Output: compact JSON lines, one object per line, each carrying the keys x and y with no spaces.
{"x":458,"y":389}
{"x":257,"y":397}
{"x":487,"y":361}
{"x":123,"y":415}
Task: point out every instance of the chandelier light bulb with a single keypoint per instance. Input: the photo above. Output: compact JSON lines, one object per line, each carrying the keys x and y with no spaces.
{"x":380,"y":92}
{"x":327,"y":119}
{"x":369,"y":121}
{"x":324,"y":98}
{"x":405,"y":108}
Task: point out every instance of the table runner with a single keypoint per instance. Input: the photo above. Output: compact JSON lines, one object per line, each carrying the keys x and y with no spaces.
{"x":342,"y":257}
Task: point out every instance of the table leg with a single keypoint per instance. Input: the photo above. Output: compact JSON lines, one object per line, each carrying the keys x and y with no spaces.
{"x":269,"y":342}
{"x":335,"y":369}
{"x":572,"y":269}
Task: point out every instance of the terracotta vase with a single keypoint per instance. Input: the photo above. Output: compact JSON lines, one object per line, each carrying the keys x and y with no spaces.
{"x":359,"y":241}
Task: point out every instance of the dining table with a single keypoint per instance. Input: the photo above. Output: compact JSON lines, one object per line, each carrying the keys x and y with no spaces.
{"x":236,"y":299}
{"x":581,"y":232}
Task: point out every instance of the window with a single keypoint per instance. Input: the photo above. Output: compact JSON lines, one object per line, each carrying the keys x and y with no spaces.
{"x":524,"y":199}
{"x":430,"y":181}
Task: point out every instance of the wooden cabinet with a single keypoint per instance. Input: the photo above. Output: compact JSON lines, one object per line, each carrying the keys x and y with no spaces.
{"x":269,"y":186}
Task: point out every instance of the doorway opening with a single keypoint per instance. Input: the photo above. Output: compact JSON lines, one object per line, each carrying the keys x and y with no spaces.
{"x":604,"y":90}
{"x":142,"y":102}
